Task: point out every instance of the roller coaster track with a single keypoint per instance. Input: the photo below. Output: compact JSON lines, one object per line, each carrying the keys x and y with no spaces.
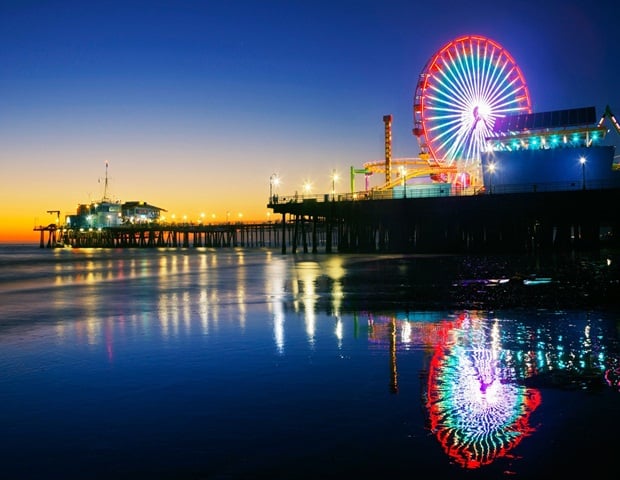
{"x":410,"y":167}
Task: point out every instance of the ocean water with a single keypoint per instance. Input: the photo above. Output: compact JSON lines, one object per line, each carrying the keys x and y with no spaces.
{"x":245,"y":363}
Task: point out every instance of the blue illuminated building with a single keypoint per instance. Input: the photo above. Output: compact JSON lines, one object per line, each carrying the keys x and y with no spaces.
{"x":550,"y":151}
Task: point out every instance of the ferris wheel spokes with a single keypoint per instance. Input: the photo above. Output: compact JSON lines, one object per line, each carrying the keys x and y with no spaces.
{"x":461,"y":92}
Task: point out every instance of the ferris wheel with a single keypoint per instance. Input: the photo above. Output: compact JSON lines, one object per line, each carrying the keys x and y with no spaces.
{"x":465,"y":86}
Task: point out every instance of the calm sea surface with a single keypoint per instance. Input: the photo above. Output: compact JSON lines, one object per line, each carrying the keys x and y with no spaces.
{"x":223,"y":364}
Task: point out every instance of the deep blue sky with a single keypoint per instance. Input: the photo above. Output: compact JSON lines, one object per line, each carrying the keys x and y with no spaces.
{"x":196,"y":103}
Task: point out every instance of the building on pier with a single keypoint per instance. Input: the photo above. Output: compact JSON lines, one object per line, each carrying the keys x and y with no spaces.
{"x":556,"y":150}
{"x":112,"y":214}
{"x":108,"y":213}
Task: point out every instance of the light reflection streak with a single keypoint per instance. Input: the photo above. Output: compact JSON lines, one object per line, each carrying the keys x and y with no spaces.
{"x":203,"y":311}
{"x":405,"y":334}
{"x":275,"y":288}
{"x":163,"y":265}
{"x":174,"y":302}
{"x":203,"y":296}
{"x":278,"y":327}
{"x":393,"y":364}
{"x":162,"y":312}
{"x":338,"y":331}
{"x":307,"y":275}
{"x":242,"y":309}
{"x":241,"y":282}
{"x":109,"y":342}
{"x":187,"y":311}
{"x":336,"y":272}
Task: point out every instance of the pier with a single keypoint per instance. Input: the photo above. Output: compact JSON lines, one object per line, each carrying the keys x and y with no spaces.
{"x":163,"y":235}
{"x":507,"y":221}
{"x":519,"y":220}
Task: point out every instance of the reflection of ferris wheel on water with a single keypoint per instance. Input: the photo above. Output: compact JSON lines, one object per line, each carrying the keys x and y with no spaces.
{"x":463,"y":88}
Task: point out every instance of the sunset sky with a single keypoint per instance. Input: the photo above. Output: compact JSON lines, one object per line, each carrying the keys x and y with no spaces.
{"x":195,"y":104}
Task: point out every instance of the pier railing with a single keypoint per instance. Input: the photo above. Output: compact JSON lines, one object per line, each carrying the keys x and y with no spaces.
{"x":443,"y":190}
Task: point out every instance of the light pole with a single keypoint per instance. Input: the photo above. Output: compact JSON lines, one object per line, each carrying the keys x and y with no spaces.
{"x":307,"y":188}
{"x":491,"y":169}
{"x":582,"y":160}
{"x":334,"y":180}
{"x":273,"y":183}
{"x":403,"y":179}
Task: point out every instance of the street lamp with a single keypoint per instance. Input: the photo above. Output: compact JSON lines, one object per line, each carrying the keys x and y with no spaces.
{"x":274,"y":181}
{"x":582,"y":160}
{"x":334,"y":180}
{"x":307,"y":187}
{"x":491,"y":169}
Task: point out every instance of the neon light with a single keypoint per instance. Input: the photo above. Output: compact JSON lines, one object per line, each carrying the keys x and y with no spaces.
{"x":463,"y":89}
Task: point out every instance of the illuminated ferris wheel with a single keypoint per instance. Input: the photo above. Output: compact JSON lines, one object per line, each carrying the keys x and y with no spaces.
{"x":463,"y":89}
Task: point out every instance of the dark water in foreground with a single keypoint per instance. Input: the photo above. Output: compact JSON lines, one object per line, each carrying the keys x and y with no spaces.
{"x":198,"y":363}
